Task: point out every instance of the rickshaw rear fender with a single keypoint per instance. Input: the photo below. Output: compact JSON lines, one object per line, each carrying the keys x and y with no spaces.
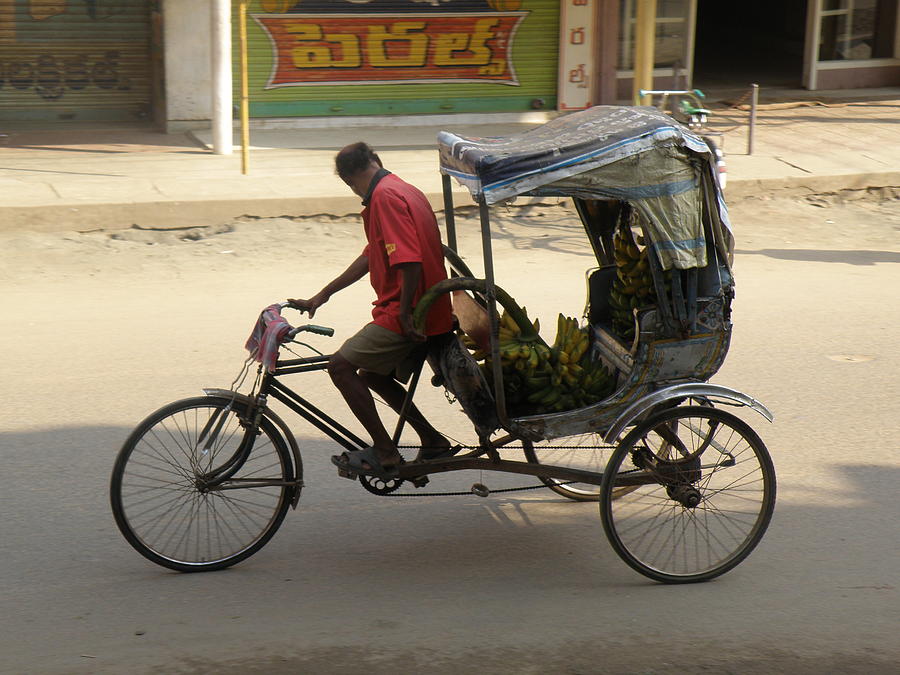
{"x":680,"y":391}
{"x":286,"y":434}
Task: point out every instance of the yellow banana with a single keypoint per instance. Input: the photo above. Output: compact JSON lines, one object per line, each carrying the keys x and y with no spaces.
{"x":509,"y":351}
{"x":551,"y":397}
{"x":633,"y":251}
{"x":560,"y":329}
{"x":507,"y":321}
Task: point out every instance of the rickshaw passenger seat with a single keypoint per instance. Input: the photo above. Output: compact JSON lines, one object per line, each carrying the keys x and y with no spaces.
{"x":457,"y":371}
{"x":428,"y":351}
{"x":599,"y":283}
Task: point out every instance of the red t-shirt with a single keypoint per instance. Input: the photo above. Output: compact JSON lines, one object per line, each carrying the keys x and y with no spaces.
{"x":400,"y":228}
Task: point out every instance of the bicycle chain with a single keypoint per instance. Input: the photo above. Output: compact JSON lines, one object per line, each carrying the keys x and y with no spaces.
{"x":470,"y":492}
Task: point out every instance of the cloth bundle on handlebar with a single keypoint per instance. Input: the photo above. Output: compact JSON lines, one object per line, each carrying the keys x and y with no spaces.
{"x":270,"y":330}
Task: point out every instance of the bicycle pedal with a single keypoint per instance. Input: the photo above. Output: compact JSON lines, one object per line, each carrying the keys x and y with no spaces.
{"x":344,"y":473}
{"x":419,"y":482}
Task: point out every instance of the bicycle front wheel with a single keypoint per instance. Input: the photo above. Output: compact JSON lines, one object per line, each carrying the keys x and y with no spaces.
{"x":705,"y":494}
{"x":168,"y":512}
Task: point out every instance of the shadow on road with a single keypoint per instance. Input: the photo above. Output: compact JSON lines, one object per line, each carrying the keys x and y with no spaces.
{"x":357,"y":582}
{"x":851,"y":257}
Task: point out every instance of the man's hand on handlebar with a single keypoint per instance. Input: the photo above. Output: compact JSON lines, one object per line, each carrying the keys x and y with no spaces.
{"x":309,"y":306}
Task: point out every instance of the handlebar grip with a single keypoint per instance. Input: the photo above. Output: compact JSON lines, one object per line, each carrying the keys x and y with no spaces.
{"x":320,"y":330}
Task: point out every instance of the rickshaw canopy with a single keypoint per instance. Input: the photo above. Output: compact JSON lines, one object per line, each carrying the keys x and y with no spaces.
{"x":628,"y":153}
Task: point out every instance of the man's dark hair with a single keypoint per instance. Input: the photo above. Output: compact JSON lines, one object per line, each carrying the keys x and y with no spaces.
{"x":355,"y":158}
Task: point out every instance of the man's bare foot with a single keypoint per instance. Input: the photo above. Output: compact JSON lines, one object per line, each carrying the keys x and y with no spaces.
{"x":369,"y":461}
{"x":389,"y":458}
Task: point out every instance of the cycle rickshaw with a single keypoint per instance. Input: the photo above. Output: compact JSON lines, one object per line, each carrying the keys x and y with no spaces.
{"x":686,"y":489}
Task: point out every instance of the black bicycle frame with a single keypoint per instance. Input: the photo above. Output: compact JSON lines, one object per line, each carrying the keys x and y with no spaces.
{"x":270,"y":385}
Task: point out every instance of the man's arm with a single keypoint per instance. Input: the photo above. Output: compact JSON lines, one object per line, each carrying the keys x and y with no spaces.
{"x":410,"y":274}
{"x":356,"y":271}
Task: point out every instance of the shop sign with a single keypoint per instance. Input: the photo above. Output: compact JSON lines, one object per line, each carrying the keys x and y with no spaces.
{"x":577,"y":46}
{"x":340,"y":49}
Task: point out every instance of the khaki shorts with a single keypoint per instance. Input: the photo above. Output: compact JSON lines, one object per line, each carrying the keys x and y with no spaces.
{"x":382,"y":351}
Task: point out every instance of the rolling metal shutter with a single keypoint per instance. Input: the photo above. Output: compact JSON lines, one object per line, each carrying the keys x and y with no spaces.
{"x":74,"y":59}
{"x":389,"y":57}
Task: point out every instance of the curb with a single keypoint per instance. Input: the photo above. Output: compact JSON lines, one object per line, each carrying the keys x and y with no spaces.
{"x":174,"y":214}
{"x":807,"y":185}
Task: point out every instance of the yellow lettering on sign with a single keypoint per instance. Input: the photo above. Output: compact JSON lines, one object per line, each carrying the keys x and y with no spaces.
{"x":309,"y":56}
{"x":319,"y":55}
{"x":484,"y":31}
{"x":351,"y":55}
{"x":401,"y":31}
{"x":446,"y":45}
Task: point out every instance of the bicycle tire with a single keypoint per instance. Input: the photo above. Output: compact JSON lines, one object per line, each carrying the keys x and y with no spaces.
{"x":728,"y":470}
{"x":163,"y":513}
{"x":581,"y":451}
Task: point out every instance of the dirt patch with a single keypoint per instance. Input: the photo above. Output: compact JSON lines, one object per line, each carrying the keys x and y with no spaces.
{"x":875,"y":195}
{"x":850,"y":220}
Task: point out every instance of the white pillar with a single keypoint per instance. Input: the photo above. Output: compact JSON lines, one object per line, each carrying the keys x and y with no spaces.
{"x":220,"y":31}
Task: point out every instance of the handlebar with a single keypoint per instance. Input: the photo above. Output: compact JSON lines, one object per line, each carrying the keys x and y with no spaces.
{"x":308,"y":328}
{"x":672,"y":92}
{"x":312,"y":328}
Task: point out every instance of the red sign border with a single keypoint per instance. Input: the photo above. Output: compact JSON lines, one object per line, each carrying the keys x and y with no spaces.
{"x":514,"y":82}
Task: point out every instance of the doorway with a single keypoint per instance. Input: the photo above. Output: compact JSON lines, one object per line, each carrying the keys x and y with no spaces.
{"x":740,"y":43}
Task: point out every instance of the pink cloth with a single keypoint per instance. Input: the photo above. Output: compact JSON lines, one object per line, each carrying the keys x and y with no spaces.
{"x":268,"y":334}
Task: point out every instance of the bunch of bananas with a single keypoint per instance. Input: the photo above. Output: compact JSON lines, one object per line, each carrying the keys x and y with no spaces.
{"x":540,"y":379}
{"x":633,"y":286}
{"x":518,"y":350}
{"x":571,"y":379}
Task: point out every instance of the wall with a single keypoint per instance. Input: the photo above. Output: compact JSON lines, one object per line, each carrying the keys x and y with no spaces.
{"x":187,"y":62}
{"x":854,"y":78}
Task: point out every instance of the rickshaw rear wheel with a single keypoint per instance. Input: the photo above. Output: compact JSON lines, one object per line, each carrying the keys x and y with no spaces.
{"x":709,"y":502}
{"x":579,"y":451}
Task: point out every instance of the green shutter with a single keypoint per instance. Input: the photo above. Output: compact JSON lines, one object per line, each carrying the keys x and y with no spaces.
{"x":62,"y":59}
{"x":390,"y":57}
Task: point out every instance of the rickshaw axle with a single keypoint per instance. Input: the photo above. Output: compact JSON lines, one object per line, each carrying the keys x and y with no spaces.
{"x":686,"y":495}
{"x":413,"y":471}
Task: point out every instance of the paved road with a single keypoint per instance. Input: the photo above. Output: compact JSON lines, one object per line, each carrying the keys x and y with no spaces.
{"x":99,"y":330}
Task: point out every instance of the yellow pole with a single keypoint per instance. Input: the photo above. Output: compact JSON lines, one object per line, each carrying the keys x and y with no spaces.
{"x":644,"y":43}
{"x":245,"y":88}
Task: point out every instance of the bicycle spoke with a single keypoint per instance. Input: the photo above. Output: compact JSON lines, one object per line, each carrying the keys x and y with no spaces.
{"x":169,"y":516}
{"x":698,"y":529}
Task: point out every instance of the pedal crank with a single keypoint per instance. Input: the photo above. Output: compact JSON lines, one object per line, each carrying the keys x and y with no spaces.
{"x":378,"y":486}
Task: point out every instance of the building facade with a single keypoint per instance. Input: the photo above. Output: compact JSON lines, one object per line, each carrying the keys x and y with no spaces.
{"x":150,"y":59}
